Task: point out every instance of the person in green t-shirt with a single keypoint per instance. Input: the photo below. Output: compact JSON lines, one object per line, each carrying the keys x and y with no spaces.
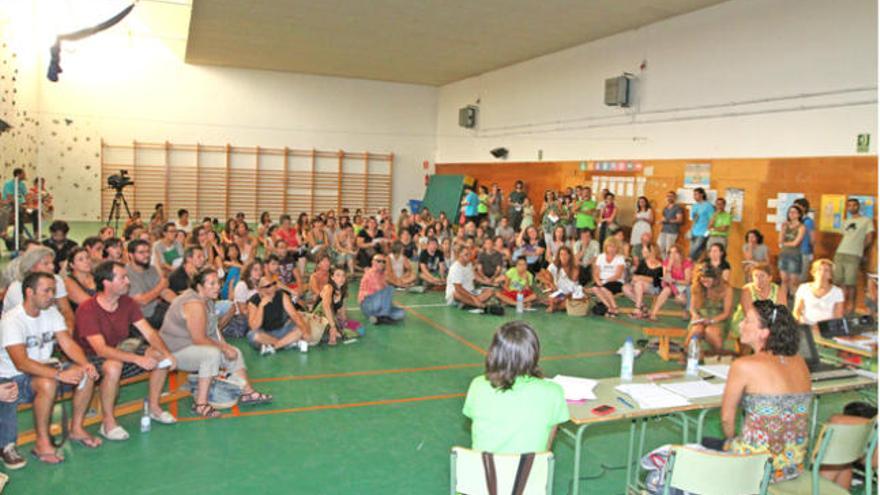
{"x":518,"y":279}
{"x":719,"y":224}
{"x":585,"y":211}
{"x":513,"y":410}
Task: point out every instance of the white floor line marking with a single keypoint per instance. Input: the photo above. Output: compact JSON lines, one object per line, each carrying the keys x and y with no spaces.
{"x":436,"y":305}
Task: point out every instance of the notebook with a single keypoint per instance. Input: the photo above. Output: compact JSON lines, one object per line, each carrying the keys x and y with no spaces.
{"x":576,"y":389}
{"x":652,"y":396}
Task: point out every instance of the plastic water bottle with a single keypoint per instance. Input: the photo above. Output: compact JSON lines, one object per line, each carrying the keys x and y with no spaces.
{"x":519,"y":302}
{"x":693,"y":360}
{"x":626,"y":362}
{"x":145,"y":419}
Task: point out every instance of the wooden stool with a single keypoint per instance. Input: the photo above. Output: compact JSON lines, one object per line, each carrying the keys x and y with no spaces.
{"x":664,"y":334}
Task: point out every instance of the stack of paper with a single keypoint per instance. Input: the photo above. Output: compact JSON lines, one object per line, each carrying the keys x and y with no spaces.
{"x":652,"y":396}
{"x":865,"y":342}
{"x":695,"y":389}
{"x":576,"y":388}
{"x":719,"y":370}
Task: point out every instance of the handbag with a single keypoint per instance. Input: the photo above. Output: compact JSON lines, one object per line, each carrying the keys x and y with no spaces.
{"x":577,"y":307}
{"x":317,"y":326}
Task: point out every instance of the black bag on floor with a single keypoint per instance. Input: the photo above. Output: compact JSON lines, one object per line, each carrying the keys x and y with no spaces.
{"x":600,"y":309}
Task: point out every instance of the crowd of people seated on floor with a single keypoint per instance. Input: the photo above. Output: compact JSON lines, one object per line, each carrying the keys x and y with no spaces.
{"x":167,"y":294}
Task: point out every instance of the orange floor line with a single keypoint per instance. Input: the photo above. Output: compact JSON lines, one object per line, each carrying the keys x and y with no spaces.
{"x":324,"y":407}
{"x":445,"y":330}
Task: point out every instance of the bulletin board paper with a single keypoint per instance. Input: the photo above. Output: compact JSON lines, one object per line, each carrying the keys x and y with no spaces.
{"x":697,"y":175}
{"x":734,"y":197}
{"x":831,"y":212}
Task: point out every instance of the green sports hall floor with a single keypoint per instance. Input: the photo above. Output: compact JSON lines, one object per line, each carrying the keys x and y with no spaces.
{"x":375,"y":416}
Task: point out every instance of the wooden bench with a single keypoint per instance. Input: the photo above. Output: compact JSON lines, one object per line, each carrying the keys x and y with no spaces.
{"x":665,"y":334}
{"x":174,"y":394}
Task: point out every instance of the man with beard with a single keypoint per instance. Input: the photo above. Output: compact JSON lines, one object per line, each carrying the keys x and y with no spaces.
{"x":148,"y":288}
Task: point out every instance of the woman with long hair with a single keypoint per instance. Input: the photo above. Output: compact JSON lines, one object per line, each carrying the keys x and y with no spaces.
{"x":79,"y":282}
{"x":676,"y":282}
{"x":647,"y":280}
{"x":790,"y":238}
{"x":819,"y":300}
{"x":642,"y":224}
{"x":761,"y":288}
{"x":562,"y":278}
{"x":711,"y":306}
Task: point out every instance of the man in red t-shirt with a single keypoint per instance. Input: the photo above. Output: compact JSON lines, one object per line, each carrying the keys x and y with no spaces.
{"x":287,"y":232}
{"x":102,"y":325}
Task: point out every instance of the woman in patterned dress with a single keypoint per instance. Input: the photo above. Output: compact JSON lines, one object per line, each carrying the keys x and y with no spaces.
{"x":773,"y":389}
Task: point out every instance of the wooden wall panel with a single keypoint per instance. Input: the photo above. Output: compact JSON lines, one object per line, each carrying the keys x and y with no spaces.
{"x":761,"y":178}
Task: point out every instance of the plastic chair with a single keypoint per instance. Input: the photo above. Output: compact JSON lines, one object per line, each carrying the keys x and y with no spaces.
{"x":467,"y":475}
{"x":838,"y":444}
{"x":698,"y":471}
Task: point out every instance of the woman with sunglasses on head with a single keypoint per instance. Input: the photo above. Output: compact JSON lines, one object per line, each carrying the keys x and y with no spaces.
{"x":711,"y":306}
{"x":773,"y":388}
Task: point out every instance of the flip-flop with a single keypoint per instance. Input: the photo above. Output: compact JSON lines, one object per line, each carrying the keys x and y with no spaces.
{"x":254,"y":398}
{"x":87,"y":442}
{"x":48,"y":457}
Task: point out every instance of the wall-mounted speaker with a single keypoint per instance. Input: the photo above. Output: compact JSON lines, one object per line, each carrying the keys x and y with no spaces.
{"x":499,"y":153}
{"x":467,"y":117}
{"x":618,"y":90}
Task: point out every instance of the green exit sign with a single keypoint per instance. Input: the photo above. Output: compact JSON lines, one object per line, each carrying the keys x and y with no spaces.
{"x":863,"y":143}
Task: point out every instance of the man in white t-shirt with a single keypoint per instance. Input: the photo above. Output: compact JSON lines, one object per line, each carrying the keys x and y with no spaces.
{"x":28,"y":334}
{"x":460,"y":284}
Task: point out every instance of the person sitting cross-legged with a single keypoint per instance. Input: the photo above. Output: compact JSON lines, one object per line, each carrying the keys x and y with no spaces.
{"x":28,"y":334}
{"x":460,"y":284}
{"x":191,"y":333}
{"x":273,"y":319}
{"x":518,"y":280}
{"x":102,"y":329}
{"x":432,"y":268}
{"x":375,"y":295}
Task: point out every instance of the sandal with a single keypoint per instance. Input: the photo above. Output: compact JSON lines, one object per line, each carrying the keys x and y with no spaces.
{"x":87,"y":442}
{"x":652,"y":318}
{"x":47,"y":457}
{"x":204,"y":410}
{"x":254,"y":397}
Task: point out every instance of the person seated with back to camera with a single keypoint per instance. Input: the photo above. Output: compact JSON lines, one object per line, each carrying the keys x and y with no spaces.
{"x":460,"y":286}
{"x":773,"y":388}
{"x":513,"y":410}
{"x":273,"y":320}
{"x":192,"y":334}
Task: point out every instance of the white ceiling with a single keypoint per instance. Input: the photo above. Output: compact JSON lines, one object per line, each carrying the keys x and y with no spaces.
{"x":432,"y":42}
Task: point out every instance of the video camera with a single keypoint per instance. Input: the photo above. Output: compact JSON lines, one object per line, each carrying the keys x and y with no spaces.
{"x":120,"y":180}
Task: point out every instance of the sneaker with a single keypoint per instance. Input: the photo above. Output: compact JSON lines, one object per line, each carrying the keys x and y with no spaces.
{"x":11,"y":458}
{"x":374,"y":320}
{"x":476,"y":311}
{"x":417,"y":289}
{"x":266,"y":350}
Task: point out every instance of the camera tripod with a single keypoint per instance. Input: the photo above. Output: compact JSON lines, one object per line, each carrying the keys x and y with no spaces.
{"x":116,"y":208}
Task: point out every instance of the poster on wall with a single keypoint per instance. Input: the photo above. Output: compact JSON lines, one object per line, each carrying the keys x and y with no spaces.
{"x":686,"y":196}
{"x":697,"y":175}
{"x":734,"y":197}
{"x":831,"y":212}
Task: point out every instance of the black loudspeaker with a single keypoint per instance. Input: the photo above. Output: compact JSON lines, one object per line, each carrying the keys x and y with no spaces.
{"x":467,"y":117}
{"x":499,"y":153}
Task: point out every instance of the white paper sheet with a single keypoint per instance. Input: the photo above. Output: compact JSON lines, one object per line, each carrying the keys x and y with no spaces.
{"x":695,"y":389}
{"x":719,"y":370}
{"x":576,"y":388}
{"x":651,"y":396}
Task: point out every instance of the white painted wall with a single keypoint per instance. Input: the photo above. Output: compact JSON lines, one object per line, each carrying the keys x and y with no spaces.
{"x":131,"y":84}
{"x":718,"y":58}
